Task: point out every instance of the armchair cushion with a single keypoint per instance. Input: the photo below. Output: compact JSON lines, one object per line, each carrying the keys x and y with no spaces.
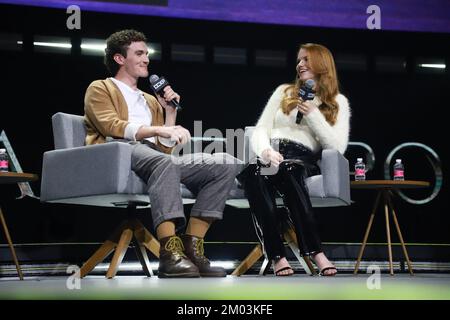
{"x":332,"y":187}
{"x":68,"y":130}
{"x":87,"y":171}
{"x":329,"y":189}
{"x":336,"y":176}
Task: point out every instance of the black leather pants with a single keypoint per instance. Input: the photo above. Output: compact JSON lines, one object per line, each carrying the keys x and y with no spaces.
{"x":261,"y":192}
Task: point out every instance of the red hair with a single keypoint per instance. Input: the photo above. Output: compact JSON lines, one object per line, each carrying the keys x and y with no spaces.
{"x":321,"y":63}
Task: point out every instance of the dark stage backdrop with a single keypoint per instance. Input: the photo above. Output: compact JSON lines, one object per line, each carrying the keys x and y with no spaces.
{"x":388,"y":108}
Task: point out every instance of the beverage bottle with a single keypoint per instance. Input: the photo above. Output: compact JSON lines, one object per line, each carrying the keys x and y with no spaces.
{"x":399,"y":170}
{"x":4,"y":163}
{"x":360,"y":170}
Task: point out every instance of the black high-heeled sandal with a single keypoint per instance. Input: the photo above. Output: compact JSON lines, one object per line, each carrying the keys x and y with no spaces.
{"x":278,"y":272}
{"x":323,"y":274}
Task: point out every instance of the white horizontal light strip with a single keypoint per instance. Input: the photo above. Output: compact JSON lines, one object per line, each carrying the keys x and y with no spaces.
{"x":50,"y":44}
{"x":224,"y":264}
{"x":136,"y":266}
{"x":432,"y":65}
{"x":94,"y":47}
{"x":53,"y":44}
{"x":128,"y":266}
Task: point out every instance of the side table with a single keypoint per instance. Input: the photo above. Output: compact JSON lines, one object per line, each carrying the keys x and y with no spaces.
{"x":385,"y":192}
{"x":12,"y":178}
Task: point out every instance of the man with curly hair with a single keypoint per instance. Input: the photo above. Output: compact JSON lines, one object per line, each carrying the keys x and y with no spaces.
{"x":116,"y":108}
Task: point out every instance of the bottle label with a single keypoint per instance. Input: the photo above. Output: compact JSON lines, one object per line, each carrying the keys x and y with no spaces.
{"x":3,"y":165}
{"x":360,"y":172}
{"x":398,"y":173}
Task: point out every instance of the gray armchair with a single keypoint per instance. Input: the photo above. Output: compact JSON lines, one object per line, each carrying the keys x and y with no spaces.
{"x":329,"y":189}
{"x":99,"y":175}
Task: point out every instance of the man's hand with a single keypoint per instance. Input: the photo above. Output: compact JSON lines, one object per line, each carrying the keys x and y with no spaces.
{"x":176,"y":133}
{"x":169,"y":95}
{"x":272,"y":156}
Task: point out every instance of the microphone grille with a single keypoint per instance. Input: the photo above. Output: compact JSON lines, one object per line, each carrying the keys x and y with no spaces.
{"x":310,"y":83}
{"x":153,"y":78}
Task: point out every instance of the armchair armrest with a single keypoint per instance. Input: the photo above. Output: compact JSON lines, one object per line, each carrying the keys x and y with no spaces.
{"x":69,"y":173}
{"x":336,"y":177}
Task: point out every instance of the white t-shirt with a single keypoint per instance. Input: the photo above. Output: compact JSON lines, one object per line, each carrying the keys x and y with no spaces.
{"x":139,"y":113}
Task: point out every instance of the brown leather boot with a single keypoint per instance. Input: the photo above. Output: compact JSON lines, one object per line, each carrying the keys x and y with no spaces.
{"x":173,"y":263}
{"x":193,"y":247}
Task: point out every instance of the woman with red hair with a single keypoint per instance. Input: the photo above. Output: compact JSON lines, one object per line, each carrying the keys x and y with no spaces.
{"x":289,"y":135}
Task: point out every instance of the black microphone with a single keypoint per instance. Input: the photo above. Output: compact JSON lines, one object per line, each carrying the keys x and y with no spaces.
{"x":158,"y":84}
{"x":305,"y":92}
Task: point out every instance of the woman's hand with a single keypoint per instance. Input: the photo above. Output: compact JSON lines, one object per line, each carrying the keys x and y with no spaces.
{"x":272,"y":156}
{"x":305,"y":107}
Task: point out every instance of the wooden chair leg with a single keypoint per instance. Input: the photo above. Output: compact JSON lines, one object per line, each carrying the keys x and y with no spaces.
{"x":121,"y":249}
{"x":291,"y":239}
{"x":10,"y":244}
{"x":146,"y":238}
{"x":101,"y":253}
{"x":366,"y":235}
{"x":397,"y":226}
{"x":120,"y":241}
{"x":249,"y":261}
{"x":388,"y":233}
{"x":105,"y":250}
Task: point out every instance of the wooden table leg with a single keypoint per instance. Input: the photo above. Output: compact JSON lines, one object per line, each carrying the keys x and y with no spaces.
{"x":11,"y":246}
{"x":388,"y":231}
{"x":366,"y":235}
{"x":397,"y":226}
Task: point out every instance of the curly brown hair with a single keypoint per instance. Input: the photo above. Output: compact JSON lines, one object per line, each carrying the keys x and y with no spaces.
{"x":327,"y":88}
{"x":119,"y":42}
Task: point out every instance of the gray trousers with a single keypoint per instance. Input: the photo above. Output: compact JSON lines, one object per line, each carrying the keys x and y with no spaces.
{"x":209,"y":177}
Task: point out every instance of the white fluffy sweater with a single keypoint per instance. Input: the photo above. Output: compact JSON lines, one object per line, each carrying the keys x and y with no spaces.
{"x":313,"y":131}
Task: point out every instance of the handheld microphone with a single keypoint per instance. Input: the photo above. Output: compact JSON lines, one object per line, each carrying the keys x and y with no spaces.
{"x":158,"y":84}
{"x":305,"y":92}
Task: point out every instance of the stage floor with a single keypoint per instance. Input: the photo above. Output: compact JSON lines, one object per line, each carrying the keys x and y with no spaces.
{"x":426,"y":286}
